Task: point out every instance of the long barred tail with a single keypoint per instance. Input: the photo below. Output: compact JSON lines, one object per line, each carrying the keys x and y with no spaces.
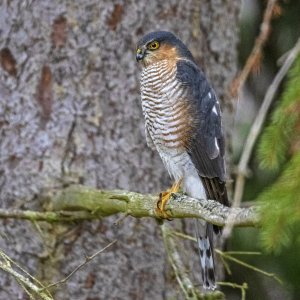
{"x":205,"y":244}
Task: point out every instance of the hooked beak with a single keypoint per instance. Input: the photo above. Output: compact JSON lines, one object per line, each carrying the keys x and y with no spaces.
{"x":140,"y":53}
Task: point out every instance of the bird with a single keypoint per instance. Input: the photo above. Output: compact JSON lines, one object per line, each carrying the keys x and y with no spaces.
{"x":183,"y":124}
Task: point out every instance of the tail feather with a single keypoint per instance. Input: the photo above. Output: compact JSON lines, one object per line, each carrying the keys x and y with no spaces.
{"x":205,"y":245}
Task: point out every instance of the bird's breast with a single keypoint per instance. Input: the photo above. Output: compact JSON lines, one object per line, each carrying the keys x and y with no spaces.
{"x":165,"y":106}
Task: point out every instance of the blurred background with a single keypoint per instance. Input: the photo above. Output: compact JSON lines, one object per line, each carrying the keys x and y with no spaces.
{"x":285,"y":29}
{"x":70,"y":113}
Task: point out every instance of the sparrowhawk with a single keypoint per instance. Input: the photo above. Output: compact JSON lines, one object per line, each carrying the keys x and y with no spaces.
{"x":183,"y":124}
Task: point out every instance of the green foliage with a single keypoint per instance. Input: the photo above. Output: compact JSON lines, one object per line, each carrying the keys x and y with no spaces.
{"x":280,"y":203}
{"x":280,"y":207}
{"x":278,"y":136}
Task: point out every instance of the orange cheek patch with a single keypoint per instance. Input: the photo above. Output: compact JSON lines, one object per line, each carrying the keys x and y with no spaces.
{"x":168,"y":52}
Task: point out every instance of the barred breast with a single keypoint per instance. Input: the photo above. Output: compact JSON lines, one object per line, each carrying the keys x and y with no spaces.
{"x":164,"y":104}
{"x":167,"y":115}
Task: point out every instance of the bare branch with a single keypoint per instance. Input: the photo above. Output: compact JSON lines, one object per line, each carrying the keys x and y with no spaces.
{"x":85,"y":203}
{"x":183,"y":280}
{"x":242,"y":287}
{"x":254,"y":133}
{"x":189,"y":290}
{"x":260,"y":118}
{"x":229,"y":257}
{"x":48,"y":216}
{"x":87,"y":260}
{"x":6,"y":264}
{"x":256,"y":52}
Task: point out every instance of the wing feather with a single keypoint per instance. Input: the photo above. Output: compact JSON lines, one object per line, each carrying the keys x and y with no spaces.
{"x":206,"y":147}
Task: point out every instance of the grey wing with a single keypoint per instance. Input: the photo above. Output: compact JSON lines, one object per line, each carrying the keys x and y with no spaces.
{"x":207,"y":146}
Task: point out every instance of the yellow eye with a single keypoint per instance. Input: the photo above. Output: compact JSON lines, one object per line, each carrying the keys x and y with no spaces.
{"x":154,"y":45}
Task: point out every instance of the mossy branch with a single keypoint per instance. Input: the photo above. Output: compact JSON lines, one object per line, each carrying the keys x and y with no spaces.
{"x":78,"y":202}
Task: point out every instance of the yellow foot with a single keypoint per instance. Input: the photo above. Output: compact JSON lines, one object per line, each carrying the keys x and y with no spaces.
{"x":163,"y":200}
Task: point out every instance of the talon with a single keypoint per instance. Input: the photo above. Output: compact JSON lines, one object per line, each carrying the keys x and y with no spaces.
{"x":163,"y":214}
{"x":163,"y":200}
{"x":158,"y":203}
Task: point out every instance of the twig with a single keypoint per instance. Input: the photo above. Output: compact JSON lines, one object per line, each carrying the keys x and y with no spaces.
{"x":48,"y":216}
{"x":254,"y":133}
{"x":78,"y":203}
{"x":242,"y":263}
{"x":183,"y":236}
{"x":226,"y":265}
{"x":228,"y":255}
{"x":183,"y":280}
{"x":185,"y":283}
{"x":242,"y":287}
{"x":255,"y":55}
{"x":25,"y":282}
{"x":242,"y":253}
{"x":87,"y":259}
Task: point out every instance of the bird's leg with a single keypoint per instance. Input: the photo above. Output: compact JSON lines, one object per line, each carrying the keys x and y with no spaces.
{"x":164,"y":198}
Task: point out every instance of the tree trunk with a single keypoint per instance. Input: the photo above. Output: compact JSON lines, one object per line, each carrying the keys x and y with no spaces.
{"x":70,"y":112}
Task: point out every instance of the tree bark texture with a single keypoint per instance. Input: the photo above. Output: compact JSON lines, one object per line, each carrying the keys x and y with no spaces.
{"x":70,"y":112}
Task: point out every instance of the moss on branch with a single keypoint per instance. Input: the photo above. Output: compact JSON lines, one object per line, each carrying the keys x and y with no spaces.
{"x":85,"y":203}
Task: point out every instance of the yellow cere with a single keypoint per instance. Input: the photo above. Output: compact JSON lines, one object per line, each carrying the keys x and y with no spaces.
{"x":138,"y":50}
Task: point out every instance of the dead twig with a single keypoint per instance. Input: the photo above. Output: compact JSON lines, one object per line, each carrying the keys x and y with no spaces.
{"x":229,"y":257}
{"x":87,"y":260}
{"x":183,"y":280}
{"x":233,"y":285}
{"x":254,"y":133}
{"x":256,"y":53}
{"x":30,"y":285}
{"x":182,"y":275}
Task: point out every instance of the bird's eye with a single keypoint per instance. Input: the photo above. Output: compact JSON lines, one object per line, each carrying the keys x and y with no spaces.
{"x":154,"y":45}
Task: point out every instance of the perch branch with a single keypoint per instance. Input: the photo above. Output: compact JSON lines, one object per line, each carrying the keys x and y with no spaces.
{"x":77,"y":203}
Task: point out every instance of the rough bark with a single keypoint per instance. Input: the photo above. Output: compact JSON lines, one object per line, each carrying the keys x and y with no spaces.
{"x":70,"y":111}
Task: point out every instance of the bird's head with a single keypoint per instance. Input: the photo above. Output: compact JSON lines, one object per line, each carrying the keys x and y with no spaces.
{"x":160,"y":45}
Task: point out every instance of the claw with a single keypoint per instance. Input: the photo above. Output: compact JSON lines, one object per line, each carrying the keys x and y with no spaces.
{"x":163,"y":200}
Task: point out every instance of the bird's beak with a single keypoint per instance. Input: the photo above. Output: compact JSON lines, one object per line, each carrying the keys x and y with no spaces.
{"x":140,"y":53}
